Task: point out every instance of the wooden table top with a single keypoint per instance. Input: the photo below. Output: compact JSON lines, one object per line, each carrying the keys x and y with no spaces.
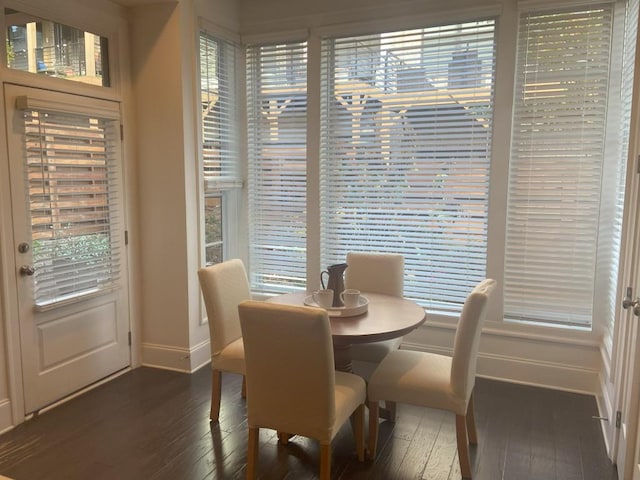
{"x":387,"y":317}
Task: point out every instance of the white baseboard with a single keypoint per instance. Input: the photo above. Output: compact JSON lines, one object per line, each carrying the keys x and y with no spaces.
{"x":604,"y":401}
{"x":6,"y":420}
{"x":167,"y":357}
{"x":540,"y":358}
{"x":539,"y":374}
{"x":527,"y":371}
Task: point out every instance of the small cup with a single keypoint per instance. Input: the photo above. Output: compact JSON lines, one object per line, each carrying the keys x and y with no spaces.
{"x":324,"y":298}
{"x":350,"y":297}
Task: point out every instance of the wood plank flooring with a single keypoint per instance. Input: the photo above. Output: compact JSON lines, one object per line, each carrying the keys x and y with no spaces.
{"x":153,"y":424}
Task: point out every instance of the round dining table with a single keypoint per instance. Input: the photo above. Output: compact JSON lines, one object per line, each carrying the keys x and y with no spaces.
{"x":386,"y":317}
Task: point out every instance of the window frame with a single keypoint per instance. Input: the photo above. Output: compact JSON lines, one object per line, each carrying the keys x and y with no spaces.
{"x":611,"y":162}
{"x":467,"y":204}
{"x":228,"y":189}
{"x":506,"y":35}
{"x":264,"y":163}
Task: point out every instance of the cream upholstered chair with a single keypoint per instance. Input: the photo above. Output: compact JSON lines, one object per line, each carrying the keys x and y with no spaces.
{"x":292,"y":386}
{"x":375,"y":273}
{"x":224,"y":286}
{"x":436,"y":381}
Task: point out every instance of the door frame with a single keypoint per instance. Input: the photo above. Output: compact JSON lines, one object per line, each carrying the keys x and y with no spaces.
{"x":13,"y":412}
{"x":626,"y":341}
{"x":8,"y":286}
{"x":106,"y":21}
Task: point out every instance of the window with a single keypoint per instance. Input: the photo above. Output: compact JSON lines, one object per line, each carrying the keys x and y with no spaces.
{"x":220,"y":170}
{"x":615,"y":239}
{"x":277,"y":117}
{"x":71,"y":164}
{"x":405,"y":156}
{"x":56,"y":50}
{"x":404,"y":141}
{"x":558,"y":204}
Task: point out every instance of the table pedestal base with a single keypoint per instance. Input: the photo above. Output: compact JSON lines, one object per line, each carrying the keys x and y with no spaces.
{"x":342,"y":358}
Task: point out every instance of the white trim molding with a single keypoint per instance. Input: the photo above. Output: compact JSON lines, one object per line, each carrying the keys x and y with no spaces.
{"x":6,"y":418}
{"x":607,"y":413}
{"x":178,"y":359}
{"x":518,"y":357}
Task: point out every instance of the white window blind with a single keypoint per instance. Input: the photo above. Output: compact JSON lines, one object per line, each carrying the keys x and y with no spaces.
{"x":558,"y":143}
{"x":218,"y":100}
{"x":74,"y":200}
{"x":220,"y":139}
{"x":618,"y":182}
{"x":405,"y":154}
{"x":277,"y":131}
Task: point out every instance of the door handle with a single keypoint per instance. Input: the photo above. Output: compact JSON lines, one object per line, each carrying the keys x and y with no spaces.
{"x":628,"y":302}
{"x":27,"y":270}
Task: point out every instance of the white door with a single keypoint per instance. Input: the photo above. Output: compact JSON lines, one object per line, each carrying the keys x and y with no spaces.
{"x":628,"y":454}
{"x":627,"y":457}
{"x":635,"y":464}
{"x":625,"y":440}
{"x":68,"y":224}
{"x":628,"y":447}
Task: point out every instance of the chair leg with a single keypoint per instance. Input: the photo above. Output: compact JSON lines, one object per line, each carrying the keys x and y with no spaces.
{"x":252,"y":453}
{"x":358,"y":431}
{"x":391,"y":409}
{"x":471,"y":423}
{"x":325,"y":461}
{"x":243,"y":392}
{"x":374,"y":408}
{"x":216,"y":391}
{"x":463,"y":446}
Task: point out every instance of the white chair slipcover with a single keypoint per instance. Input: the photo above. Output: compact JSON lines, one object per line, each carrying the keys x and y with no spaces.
{"x":224,"y":286}
{"x":292,"y":386}
{"x":375,"y":273}
{"x":436,"y":381}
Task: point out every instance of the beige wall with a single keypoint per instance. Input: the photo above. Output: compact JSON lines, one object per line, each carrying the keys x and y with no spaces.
{"x":157,"y":84}
{"x":164,"y":72}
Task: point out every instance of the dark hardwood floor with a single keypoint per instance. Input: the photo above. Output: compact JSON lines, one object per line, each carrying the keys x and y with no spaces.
{"x":153,"y":424}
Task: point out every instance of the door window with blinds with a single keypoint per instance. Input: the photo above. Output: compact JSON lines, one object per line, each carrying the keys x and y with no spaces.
{"x":405,"y":153}
{"x":220,"y":169}
{"x":72,"y":183}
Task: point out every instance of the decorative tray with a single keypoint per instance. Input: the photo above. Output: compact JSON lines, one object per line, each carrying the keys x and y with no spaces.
{"x":342,"y":311}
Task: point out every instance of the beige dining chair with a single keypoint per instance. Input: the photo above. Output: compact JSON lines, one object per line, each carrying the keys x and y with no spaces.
{"x":292,"y":386}
{"x":436,"y":381}
{"x":224,"y":285}
{"x":375,"y":273}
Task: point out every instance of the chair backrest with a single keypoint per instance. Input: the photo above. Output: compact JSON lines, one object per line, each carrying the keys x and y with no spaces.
{"x":289,"y":368}
{"x":467,"y":340}
{"x":375,"y":272}
{"x":224,"y":285}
